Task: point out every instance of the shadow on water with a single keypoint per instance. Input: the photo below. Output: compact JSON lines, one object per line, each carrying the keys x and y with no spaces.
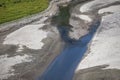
{"x":63,"y":66}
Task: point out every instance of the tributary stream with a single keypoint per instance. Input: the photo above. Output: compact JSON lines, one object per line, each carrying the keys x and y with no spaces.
{"x":64,"y":65}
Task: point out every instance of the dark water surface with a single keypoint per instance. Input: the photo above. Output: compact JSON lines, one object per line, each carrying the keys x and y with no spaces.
{"x":63,"y":66}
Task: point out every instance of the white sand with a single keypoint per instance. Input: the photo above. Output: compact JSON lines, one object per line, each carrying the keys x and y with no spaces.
{"x":105,"y":46}
{"x":95,"y":4}
{"x":115,"y":8}
{"x":29,"y":36}
{"x":85,"y":17}
{"x":7,"y":63}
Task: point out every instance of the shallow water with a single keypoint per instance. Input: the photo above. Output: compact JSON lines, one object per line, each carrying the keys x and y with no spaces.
{"x":63,"y":66}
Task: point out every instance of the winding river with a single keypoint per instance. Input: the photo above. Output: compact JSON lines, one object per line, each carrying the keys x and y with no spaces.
{"x":64,"y":65}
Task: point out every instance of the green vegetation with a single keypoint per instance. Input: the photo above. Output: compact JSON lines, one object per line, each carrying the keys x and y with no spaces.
{"x":14,"y":9}
{"x":62,"y":19}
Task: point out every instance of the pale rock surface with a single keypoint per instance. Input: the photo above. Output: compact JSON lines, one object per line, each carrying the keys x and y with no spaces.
{"x":30,"y":36}
{"x":105,"y":46}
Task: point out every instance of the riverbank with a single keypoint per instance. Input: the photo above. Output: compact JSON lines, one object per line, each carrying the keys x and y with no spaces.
{"x":39,"y":46}
{"x":101,"y":61}
{"x":25,"y":52}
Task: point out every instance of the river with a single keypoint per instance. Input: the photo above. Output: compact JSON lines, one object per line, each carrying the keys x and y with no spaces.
{"x":64,"y":65}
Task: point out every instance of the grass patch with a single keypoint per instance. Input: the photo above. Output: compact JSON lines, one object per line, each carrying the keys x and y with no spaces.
{"x":14,"y":9}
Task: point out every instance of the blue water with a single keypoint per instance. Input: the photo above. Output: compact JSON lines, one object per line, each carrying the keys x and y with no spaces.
{"x":63,"y":66}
